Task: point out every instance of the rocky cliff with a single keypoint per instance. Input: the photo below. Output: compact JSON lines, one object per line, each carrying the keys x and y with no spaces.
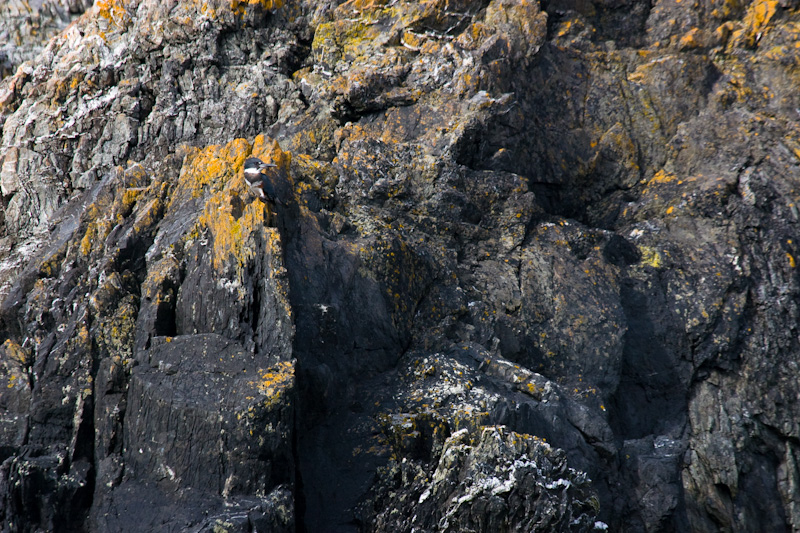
{"x":535,"y":267}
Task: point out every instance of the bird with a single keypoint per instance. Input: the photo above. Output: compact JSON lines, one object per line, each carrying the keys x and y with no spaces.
{"x":258,"y":181}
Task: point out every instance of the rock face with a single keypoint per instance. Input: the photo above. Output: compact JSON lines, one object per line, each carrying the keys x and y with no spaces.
{"x":536,"y":269}
{"x":26,"y":26}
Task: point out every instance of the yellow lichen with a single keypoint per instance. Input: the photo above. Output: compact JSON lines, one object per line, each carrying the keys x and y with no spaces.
{"x":533,"y":390}
{"x":148,"y":215}
{"x":96,"y":232}
{"x":17,"y":353}
{"x":651,"y":257}
{"x":232,"y":238}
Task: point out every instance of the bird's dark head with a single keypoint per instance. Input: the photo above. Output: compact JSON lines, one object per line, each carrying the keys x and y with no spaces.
{"x":254,"y":166}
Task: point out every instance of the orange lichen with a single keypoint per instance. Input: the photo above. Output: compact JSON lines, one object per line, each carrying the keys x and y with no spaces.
{"x":694,"y":38}
{"x":113,"y":11}
{"x":758,"y":16}
{"x":662,"y":177}
{"x":235,"y":224}
{"x":110,"y":9}
{"x":364,"y":5}
{"x":269,"y":151}
{"x":275,"y":379}
{"x":727,"y":8}
{"x":210,"y":169}
{"x":273,"y":383}
{"x":232,"y":237}
{"x":239,"y":7}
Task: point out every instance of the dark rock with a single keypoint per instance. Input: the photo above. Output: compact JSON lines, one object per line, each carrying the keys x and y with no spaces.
{"x":493,"y":481}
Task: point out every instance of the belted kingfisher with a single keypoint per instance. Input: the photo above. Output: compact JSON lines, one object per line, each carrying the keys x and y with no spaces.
{"x":259,"y":183}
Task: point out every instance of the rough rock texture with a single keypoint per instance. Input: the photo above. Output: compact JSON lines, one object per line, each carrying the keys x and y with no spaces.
{"x":26,"y":26}
{"x":536,"y":268}
{"x":501,"y":482}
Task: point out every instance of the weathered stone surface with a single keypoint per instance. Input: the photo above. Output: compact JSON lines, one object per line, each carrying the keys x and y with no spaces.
{"x":500,"y":481}
{"x":25,"y":28}
{"x":202,"y":415}
{"x":124,"y":278}
{"x":536,"y":267}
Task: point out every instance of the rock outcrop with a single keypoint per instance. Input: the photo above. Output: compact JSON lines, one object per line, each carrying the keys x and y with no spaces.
{"x":25,"y":28}
{"x":536,"y":268}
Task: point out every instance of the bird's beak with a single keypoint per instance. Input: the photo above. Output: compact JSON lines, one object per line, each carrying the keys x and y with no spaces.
{"x":263,"y":166}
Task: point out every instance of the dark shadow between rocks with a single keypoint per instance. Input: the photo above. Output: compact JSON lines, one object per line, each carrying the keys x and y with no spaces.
{"x":650,"y":399}
{"x":344,"y":329}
